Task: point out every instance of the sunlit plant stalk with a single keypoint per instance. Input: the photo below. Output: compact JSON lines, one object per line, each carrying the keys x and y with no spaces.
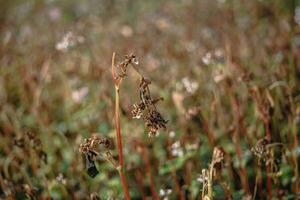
{"x":118,"y":131}
{"x":209,"y":183}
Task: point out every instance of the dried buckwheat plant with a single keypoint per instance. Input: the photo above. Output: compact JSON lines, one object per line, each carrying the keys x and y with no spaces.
{"x":208,"y":175}
{"x":145,"y":108}
{"x":94,"y":146}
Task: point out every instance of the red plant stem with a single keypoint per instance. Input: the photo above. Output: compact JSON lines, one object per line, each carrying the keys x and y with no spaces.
{"x":236,"y":141}
{"x":124,"y":184}
{"x":177,"y":187}
{"x":210,"y":134}
{"x":119,"y":145}
{"x":269,"y":182}
{"x":139,"y":179}
{"x":118,"y":130}
{"x":243,"y":171}
{"x":149,"y":173}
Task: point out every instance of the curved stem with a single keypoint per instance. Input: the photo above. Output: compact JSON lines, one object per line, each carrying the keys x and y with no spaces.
{"x":119,"y":138}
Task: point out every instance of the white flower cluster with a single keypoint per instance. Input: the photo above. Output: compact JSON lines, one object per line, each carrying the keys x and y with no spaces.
{"x":203,"y":178}
{"x":213,"y":57}
{"x":190,"y":85}
{"x":164,"y":193}
{"x":79,"y":94}
{"x":207,"y":58}
{"x":176,"y":149}
{"x":69,"y":40}
{"x":61,"y":179}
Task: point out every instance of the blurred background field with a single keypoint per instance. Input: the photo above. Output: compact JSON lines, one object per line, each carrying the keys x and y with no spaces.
{"x":228,"y":70}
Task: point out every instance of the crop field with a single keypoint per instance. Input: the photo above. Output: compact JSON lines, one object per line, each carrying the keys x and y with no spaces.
{"x":123,"y":99}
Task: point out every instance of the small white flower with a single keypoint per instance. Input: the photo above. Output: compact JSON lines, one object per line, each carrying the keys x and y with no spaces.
{"x":202,"y":179}
{"x":60,"y":178}
{"x":172,"y":134}
{"x":165,"y":192}
{"x":126,"y":31}
{"x":69,"y":40}
{"x":190,"y":85}
{"x":206,"y":59}
{"x":162,"y":192}
{"x":78,"y":95}
{"x":176,"y":145}
{"x":176,"y":149}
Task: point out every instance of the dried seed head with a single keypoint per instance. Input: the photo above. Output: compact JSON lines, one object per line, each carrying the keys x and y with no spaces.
{"x":93,"y":143}
{"x":137,"y":111}
{"x":122,"y":66}
{"x":203,"y":178}
{"x":260,"y":149}
{"x":20,"y":142}
{"x":154,"y":121}
{"x":218,"y":155}
{"x":34,"y":142}
{"x":107,"y":143}
{"x":144,"y":83}
{"x":217,"y":160}
{"x":146,"y":107}
{"x":30,"y":141}
{"x":134,"y":60}
{"x":91,"y":147}
{"x":84,"y":147}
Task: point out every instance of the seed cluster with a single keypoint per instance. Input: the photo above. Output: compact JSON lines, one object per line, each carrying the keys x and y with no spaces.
{"x":93,"y":143}
{"x":146,"y":108}
{"x":31,"y":141}
{"x":137,"y":110}
{"x":218,"y":155}
{"x":90,"y":148}
{"x":122,"y":66}
{"x":260,"y":149}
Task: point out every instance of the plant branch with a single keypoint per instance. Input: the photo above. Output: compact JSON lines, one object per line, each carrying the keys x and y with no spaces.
{"x":118,"y":131}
